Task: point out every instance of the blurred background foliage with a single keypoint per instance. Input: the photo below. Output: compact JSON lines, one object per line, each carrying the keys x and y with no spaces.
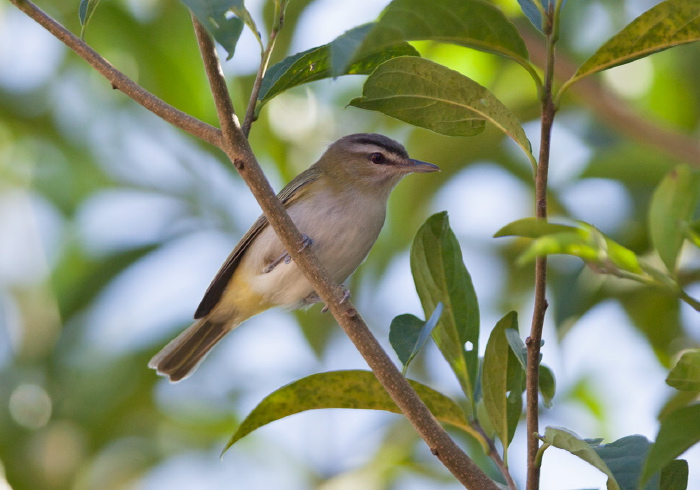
{"x":112,"y":225}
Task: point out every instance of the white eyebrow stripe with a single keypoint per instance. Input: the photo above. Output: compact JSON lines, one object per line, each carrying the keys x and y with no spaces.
{"x":370,"y":148}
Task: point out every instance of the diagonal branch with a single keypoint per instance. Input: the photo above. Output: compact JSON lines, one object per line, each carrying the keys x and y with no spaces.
{"x":170,"y":114}
{"x":238,"y":150}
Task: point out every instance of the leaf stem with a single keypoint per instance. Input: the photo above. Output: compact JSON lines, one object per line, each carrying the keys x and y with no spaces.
{"x":534,"y":341}
{"x":540,"y":453}
{"x":533,"y":73}
{"x":695,"y":304}
{"x":237,"y":148}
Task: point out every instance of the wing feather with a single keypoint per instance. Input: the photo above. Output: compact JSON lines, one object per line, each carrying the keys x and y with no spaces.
{"x":287,"y":196}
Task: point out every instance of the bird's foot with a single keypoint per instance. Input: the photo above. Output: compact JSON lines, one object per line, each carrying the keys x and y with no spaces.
{"x":276,"y":262}
{"x":305,"y":242}
{"x":346,"y":296}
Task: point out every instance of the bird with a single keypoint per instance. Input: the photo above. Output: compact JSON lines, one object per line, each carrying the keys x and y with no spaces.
{"x":338,"y":204}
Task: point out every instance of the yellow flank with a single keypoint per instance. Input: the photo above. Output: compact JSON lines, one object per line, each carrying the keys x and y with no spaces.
{"x":240,"y":299}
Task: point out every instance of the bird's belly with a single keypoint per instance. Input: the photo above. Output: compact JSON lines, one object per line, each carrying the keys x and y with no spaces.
{"x":341,"y":242}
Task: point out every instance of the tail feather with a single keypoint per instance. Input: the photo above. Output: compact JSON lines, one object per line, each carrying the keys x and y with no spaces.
{"x":182,"y":355}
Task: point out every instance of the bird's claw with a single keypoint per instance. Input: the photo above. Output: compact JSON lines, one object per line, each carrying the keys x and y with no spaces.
{"x":346,"y":296}
{"x":305,"y":242}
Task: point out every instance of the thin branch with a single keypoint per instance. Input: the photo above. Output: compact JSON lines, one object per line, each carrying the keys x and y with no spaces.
{"x":534,"y":341}
{"x":613,"y":110}
{"x":495,"y":457}
{"x":238,"y":150}
{"x":177,"y":118}
{"x":265,"y":61}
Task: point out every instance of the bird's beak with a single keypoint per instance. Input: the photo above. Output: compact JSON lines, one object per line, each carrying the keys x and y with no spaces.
{"x":419,"y":167}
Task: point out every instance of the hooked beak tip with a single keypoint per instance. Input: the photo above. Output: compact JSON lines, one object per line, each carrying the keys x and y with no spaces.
{"x":422,"y":167}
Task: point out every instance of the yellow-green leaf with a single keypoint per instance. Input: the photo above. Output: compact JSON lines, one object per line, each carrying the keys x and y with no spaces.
{"x":671,"y":211}
{"x":568,"y":441}
{"x":665,"y":25}
{"x":685,"y":375}
{"x":582,"y":240}
{"x":532,"y":228}
{"x":548,"y":385}
{"x":502,"y":373}
{"x":345,"y":389}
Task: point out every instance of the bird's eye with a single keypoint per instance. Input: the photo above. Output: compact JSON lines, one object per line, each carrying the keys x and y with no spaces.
{"x":377,"y":158}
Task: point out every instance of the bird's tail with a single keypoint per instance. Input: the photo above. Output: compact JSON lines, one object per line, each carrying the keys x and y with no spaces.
{"x":182,"y":355}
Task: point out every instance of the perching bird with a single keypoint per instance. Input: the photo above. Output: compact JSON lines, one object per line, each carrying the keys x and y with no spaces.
{"x":339,"y":204}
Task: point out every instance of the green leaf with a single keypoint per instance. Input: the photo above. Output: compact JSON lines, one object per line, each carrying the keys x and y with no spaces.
{"x":517,"y":346}
{"x":583,"y":240}
{"x":423,"y":96}
{"x":665,"y":25}
{"x":568,"y":441}
{"x":625,"y":458}
{"x":685,"y":375}
{"x":345,"y":389}
{"x":674,"y":476}
{"x":484,"y":421}
{"x":315,"y":64}
{"x":441,"y":277}
{"x":239,"y":10}
{"x":672,"y":207}
{"x":548,"y":385}
{"x":215,"y":17}
{"x":532,"y":228}
{"x":430,"y":95}
{"x":348,"y":47}
{"x":693,"y":233}
{"x":408,"y":334}
{"x":85,"y":12}
{"x":534,"y":10}
{"x":472,"y":23}
{"x":678,"y":431}
{"x":502,"y":373}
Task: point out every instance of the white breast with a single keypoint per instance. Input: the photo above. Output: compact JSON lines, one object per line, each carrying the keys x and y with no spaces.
{"x":343,"y":228}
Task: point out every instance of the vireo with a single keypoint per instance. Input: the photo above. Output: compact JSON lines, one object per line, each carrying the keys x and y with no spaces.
{"x":339,"y":204}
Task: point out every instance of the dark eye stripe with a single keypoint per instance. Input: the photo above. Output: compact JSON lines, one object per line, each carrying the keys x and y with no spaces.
{"x":388,"y":145}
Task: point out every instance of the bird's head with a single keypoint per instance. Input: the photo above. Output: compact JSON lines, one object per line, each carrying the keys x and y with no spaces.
{"x":369,"y":161}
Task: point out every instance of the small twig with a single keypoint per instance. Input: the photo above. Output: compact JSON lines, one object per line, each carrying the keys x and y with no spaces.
{"x":264,"y":62}
{"x":495,"y":457}
{"x":170,"y":114}
{"x":238,"y":150}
